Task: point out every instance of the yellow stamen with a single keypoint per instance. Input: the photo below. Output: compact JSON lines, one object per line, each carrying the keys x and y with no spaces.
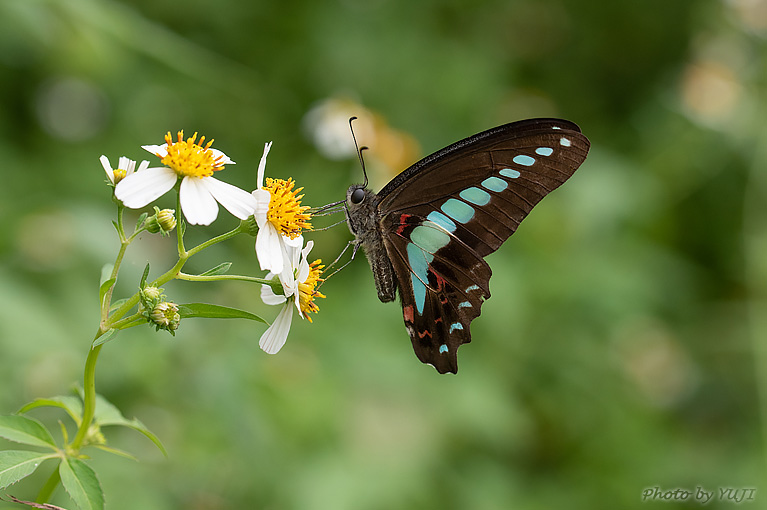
{"x":189,"y":158}
{"x":119,"y":174}
{"x":285,"y":210}
{"x":307,"y":291}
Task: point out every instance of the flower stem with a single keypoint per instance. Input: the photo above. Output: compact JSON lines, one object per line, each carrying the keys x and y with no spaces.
{"x":89,"y":395}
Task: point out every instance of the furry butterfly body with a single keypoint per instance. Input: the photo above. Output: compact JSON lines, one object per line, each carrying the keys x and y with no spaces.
{"x":426,"y":233}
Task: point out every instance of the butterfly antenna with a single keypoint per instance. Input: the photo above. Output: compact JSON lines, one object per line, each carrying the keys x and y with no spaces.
{"x":359,"y":152}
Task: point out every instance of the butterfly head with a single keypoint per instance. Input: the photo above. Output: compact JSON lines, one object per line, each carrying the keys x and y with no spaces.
{"x":360,"y":208}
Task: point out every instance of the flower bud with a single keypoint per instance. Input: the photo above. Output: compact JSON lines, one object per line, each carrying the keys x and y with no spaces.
{"x":162,"y":221}
{"x":165,"y":316}
{"x":151,"y":293}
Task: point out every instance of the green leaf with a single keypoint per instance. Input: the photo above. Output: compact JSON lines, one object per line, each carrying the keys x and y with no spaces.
{"x":222,"y":268}
{"x":107,"y":414}
{"x":117,"y":304}
{"x":81,"y":483}
{"x":144,"y":276}
{"x":115,"y":451}
{"x":215,"y":311}
{"x":140,"y":221}
{"x":106,"y":273}
{"x":105,"y":284}
{"x":25,"y":430}
{"x":16,"y":464}
{"x":72,"y":405}
{"x":107,"y":336}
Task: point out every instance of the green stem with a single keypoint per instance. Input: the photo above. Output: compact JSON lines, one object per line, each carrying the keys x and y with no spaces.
{"x":89,"y":395}
{"x":47,"y":490}
{"x":213,"y":278}
{"x":241,"y":228}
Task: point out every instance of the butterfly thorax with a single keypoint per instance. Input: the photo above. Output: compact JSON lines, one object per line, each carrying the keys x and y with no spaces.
{"x":363,"y":219}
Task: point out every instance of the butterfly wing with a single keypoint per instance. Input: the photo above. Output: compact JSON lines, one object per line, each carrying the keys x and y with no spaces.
{"x":444,"y":214}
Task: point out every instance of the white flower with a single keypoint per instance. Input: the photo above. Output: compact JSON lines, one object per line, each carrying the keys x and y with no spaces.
{"x":280,"y":218}
{"x":299,"y":281}
{"x":199,"y":193}
{"x":125,"y":167}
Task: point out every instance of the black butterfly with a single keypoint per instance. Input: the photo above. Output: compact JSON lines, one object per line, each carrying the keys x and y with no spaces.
{"x":427,"y":232}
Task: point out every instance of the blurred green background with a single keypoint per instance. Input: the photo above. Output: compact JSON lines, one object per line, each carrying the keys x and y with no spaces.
{"x":623,"y":347}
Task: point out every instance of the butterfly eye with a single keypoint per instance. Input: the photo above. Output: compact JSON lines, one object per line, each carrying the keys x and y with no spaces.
{"x":357,"y":195}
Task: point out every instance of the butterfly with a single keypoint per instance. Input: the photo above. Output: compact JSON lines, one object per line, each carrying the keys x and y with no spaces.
{"x":426,"y":233}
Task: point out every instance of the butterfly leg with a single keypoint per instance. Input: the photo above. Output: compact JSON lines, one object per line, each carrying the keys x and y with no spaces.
{"x":350,"y":243}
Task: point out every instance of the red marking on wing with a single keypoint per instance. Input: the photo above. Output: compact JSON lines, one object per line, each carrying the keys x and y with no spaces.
{"x":407,"y":311}
{"x":403,"y":223}
{"x":424,"y":334}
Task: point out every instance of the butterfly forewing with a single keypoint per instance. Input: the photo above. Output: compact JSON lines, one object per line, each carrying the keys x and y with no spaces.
{"x":443,"y":215}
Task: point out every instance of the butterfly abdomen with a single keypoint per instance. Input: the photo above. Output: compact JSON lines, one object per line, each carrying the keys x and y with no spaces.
{"x":364,"y":222}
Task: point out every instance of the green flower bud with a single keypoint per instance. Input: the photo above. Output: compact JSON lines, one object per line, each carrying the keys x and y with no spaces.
{"x":165,"y":316}
{"x":151,"y":293}
{"x":162,"y":221}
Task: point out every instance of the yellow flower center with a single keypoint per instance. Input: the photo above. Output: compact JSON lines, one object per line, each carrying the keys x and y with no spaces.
{"x":307,"y":291}
{"x":285,"y":210}
{"x":189,"y":158}
{"x":119,"y":174}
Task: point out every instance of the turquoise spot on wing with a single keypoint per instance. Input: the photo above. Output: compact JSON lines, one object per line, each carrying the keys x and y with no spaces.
{"x":495,"y":184}
{"x":428,"y":238}
{"x":544,"y":151}
{"x":564,"y":142}
{"x":472,"y":287}
{"x":510,"y":173}
{"x":442,"y":220}
{"x":419,"y":263}
{"x":475,"y":195}
{"x":459,"y":211}
{"x":455,"y":325}
{"x":524,"y":160}
{"x":442,"y":349}
{"x":464,"y":304}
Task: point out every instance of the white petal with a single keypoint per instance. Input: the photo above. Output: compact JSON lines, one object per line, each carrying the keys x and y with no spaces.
{"x":238,"y":202}
{"x":142,"y":188}
{"x":274,"y":337}
{"x":268,"y":249}
{"x":263,"y":197}
{"x":303,"y":267}
{"x":224,"y":158}
{"x":262,"y":165}
{"x":199,"y":206}
{"x":157,"y":150}
{"x":143,"y":165}
{"x":111,"y":173}
{"x":269,"y":297}
{"x":123,"y":163}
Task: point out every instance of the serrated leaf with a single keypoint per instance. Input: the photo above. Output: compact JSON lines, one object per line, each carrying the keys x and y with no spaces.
{"x":189,"y":310}
{"x":26,"y":431}
{"x":17,"y":464}
{"x":107,"y":336}
{"x":80,"y":481}
{"x":222,"y":268}
{"x":72,"y":405}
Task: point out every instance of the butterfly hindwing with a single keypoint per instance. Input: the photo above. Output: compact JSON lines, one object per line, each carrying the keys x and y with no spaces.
{"x":443,"y":215}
